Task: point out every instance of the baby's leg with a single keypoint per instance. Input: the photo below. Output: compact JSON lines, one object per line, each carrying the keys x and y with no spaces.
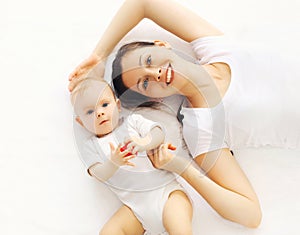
{"x":178,"y":214}
{"x":123,"y":222}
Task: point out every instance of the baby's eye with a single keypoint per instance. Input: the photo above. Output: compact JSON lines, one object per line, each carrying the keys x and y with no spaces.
{"x":104,"y":104}
{"x":149,"y":60}
{"x":145,"y":83}
{"x":89,"y":112}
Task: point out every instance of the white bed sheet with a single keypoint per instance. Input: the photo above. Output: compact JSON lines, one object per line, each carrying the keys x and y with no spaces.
{"x":44,"y":188}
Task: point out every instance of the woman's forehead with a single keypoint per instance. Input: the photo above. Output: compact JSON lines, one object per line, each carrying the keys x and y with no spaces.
{"x":135,"y":58}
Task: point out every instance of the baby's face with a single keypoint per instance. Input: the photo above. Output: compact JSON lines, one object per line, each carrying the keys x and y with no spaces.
{"x":98,"y":109}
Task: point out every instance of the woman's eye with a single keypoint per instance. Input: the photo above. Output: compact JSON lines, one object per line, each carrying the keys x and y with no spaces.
{"x":89,"y":112}
{"x":104,"y":104}
{"x":149,"y":60}
{"x":145,"y":83}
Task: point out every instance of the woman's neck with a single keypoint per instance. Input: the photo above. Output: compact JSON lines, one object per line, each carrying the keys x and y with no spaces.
{"x":201,"y":93}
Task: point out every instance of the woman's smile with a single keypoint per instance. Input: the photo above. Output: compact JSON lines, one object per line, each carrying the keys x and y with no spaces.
{"x":169,"y":75}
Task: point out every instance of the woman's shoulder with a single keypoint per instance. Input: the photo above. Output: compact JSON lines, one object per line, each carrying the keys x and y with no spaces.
{"x":220,"y":71}
{"x":214,"y":49}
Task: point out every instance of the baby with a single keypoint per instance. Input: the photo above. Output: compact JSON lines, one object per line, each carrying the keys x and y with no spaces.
{"x":116,"y":155}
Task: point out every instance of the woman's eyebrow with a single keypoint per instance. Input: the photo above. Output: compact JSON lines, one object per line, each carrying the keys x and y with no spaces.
{"x":140,"y":60}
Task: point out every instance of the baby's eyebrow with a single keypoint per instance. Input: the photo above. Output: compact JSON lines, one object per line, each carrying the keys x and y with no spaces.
{"x":103,"y":100}
{"x":89,"y":107}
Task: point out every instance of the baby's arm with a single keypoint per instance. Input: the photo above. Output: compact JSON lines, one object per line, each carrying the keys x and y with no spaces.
{"x":152,"y":140}
{"x":103,"y":171}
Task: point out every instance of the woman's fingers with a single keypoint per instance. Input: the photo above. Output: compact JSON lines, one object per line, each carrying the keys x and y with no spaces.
{"x":74,"y":74}
{"x":171,"y":147}
{"x":84,"y":68}
{"x":74,"y":81}
{"x":78,"y":71}
{"x":155,"y":157}
{"x":161,"y":156}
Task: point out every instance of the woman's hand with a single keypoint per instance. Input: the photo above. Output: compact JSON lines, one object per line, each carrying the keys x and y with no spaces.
{"x":119,"y":157}
{"x":84,"y":68}
{"x":161,"y":156}
{"x":163,"y":159}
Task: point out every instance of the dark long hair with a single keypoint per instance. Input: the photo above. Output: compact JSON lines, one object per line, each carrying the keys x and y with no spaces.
{"x":128,"y":97}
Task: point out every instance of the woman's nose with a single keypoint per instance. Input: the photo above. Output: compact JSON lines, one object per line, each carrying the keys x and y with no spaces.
{"x":157,"y":74}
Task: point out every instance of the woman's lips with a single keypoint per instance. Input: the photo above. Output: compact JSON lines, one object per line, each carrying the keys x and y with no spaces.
{"x":169,"y":75}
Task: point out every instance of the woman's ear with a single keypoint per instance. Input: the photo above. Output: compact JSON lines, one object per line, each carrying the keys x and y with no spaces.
{"x":79,"y":121}
{"x":162,"y":44}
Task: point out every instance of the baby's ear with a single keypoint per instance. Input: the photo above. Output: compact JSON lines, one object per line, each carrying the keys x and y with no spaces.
{"x":118,"y":104}
{"x":162,"y":44}
{"x":79,"y":121}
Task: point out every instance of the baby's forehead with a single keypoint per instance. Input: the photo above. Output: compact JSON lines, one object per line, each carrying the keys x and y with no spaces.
{"x":93,"y":92}
{"x":97,"y":87}
{"x":90,"y":83}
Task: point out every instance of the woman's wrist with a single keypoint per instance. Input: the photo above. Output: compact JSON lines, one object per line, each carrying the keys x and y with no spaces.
{"x":96,"y":56}
{"x":178,"y":165}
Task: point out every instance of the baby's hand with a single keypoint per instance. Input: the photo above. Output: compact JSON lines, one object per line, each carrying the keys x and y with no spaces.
{"x":119,"y":157}
{"x":123,"y":148}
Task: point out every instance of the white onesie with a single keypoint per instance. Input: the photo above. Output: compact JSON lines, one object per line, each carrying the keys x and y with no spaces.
{"x":143,"y":188}
{"x":260,"y":107}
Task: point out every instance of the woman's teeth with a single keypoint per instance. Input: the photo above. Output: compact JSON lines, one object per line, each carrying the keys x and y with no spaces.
{"x":169,"y":74}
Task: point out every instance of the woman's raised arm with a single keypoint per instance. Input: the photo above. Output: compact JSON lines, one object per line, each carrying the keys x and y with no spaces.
{"x":169,"y":14}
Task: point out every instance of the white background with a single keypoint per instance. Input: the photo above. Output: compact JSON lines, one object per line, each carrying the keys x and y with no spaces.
{"x":44,"y":189}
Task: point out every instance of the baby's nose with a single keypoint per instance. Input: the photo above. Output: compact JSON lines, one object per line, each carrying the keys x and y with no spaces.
{"x":100,"y":113}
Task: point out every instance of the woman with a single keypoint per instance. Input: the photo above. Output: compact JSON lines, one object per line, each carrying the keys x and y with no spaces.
{"x":156,"y":71}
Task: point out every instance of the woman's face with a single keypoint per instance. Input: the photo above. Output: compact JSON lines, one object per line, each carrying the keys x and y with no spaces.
{"x":151,"y":71}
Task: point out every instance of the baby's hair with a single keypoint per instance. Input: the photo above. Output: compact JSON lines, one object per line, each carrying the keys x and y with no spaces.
{"x":84,"y":84}
{"x":128,"y":97}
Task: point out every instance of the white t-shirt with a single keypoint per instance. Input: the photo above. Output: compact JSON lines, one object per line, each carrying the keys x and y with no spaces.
{"x":143,"y":176}
{"x":258,"y":108}
{"x":142,"y":188}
